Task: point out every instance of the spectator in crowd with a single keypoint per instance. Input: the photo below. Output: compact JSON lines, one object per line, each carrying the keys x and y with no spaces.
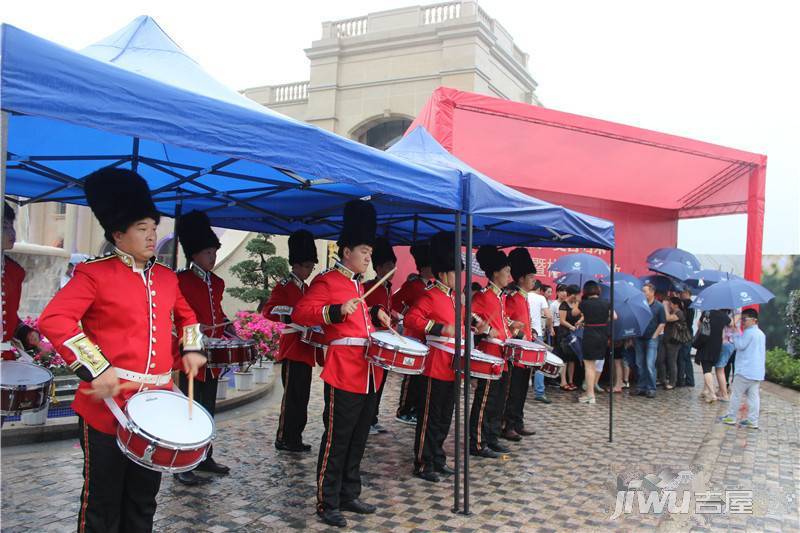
{"x":709,"y":348}
{"x":725,"y":354}
{"x":647,"y":345}
{"x":561,"y":295}
{"x":750,"y":347}
{"x":596,"y":313}
{"x":547,"y":290}
{"x":628,"y":351}
{"x":540,"y":318}
{"x":569,"y":318}
{"x":685,"y":366}
{"x":675,"y":326}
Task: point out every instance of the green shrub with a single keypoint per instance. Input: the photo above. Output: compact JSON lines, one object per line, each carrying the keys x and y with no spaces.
{"x":783,"y":369}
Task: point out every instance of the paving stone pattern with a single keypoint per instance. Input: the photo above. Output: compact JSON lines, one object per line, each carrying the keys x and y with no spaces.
{"x":564,"y":478}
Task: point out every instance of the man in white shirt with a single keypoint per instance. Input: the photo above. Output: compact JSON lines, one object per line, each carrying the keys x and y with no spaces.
{"x":750,"y":364}
{"x":539,"y":309}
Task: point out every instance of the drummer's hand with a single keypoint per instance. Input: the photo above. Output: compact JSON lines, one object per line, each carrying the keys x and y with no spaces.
{"x":448,"y":331}
{"x":350,"y":306}
{"x":106,"y":385}
{"x":517,"y":325}
{"x":384,"y":319}
{"x":482,"y":327}
{"x":193,"y":362}
{"x":492,"y":334}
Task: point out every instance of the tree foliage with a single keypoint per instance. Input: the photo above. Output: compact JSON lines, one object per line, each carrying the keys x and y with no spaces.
{"x":258,"y":274}
{"x":782,"y":277}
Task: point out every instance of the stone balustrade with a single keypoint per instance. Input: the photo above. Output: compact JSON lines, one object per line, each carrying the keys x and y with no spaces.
{"x":289,"y":92}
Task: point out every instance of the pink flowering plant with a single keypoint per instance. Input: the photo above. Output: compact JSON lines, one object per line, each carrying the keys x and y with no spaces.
{"x":265,"y":332}
{"x":45,"y":355}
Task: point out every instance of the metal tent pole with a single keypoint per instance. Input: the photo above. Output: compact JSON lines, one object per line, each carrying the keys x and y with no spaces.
{"x":611,"y":396}
{"x":457,"y":368}
{"x":467,"y":352}
{"x":3,"y":155}
{"x":178,"y":208}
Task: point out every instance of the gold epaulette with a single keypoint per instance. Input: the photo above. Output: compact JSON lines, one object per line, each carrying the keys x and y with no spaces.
{"x":99,"y":258}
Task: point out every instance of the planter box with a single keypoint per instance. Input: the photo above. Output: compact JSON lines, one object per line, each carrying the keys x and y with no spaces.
{"x":244,"y":380}
{"x":34,"y":419}
{"x":222,"y":388}
{"x":262,"y":372}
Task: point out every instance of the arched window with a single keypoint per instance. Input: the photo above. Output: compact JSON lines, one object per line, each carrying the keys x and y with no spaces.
{"x":165,"y":251}
{"x":383,"y":134}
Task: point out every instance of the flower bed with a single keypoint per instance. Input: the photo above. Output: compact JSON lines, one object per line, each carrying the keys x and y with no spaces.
{"x":265,"y":332}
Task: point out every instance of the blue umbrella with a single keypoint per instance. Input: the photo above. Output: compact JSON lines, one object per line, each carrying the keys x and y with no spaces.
{"x":574,"y":278}
{"x":674,"y":254}
{"x":630,"y":304}
{"x":586,"y":264}
{"x":662,"y":283}
{"x":672,"y":269}
{"x":703,"y":279}
{"x":630,"y":279}
{"x":732,"y":294}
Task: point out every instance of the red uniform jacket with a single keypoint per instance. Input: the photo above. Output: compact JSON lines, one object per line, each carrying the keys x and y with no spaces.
{"x":13,"y":327}
{"x":346,"y":367}
{"x":285,"y":295}
{"x":517,"y":308}
{"x":381,"y":296}
{"x":203,"y":292}
{"x":489,"y":304}
{"x":434,"y":310}
{"x":403,"y":299}
{"x":127,"y":320}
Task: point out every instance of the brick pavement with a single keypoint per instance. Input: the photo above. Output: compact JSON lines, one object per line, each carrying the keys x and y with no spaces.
{"x":563,"y":478}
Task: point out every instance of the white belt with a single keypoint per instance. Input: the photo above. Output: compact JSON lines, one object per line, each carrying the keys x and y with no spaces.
{"x":434,"y":338}
{"x":147,"y":379}
{"x":494,"y":341}
{"x":350,"y":341}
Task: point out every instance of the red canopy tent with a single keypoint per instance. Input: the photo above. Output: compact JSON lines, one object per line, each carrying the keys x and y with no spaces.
{"x":644,"y":181}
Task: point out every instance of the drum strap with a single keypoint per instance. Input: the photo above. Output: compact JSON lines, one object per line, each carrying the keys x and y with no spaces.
{"x":147,"y":379}
{"x":116,"y":411}
{"x":494,"y":341}
{"x":446,"y":340}
{"x":350,"y":341}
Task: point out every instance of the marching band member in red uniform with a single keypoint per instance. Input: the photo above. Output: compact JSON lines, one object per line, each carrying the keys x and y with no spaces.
{"x":113,"y":325}
{"x":403,"y":299}
{"x":435,"y":314}
{"x":203,"y":291}
{"x":383,"y":261}
{"x":489,"y":306}
{"x":13,"y":276}
{"x":333,"y":301}
{"x":297,"y":358}
{"x":524,"y":273}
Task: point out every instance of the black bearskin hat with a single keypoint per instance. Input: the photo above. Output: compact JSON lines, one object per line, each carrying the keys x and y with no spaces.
{"x":491,"y":260}
{"x":8,"y":213}
{"x":302,"y":247}
{"x":382,"y":252}
{"x":118,"y":198}
{"x":521,"y":263}
{"x":443,"y":252}
{"x":358,"y":224}
{"x":422,"y":255}
{"x":195,"y":233}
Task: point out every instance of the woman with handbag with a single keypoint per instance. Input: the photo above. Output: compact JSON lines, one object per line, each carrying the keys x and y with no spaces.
{"x":708,"y":342}
{"x":676,"y":334}
{"x":569,"y":315}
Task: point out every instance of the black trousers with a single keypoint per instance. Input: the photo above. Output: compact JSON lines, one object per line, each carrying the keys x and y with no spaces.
{"x":435,"y":412}
{"x":486,"y":412}
{"x":205,"y":393}
{"x":409,"y":395}
{"x":378,"y":399}
{"x":346,"y":418}
{"x":520,"y":379}
{"x":118,"y":494}
{"x":296,"y":379}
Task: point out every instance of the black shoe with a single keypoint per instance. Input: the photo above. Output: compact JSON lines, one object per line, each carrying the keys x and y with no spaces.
{"x":499,"y":448}
{"x":511,"y":435}
{"x":190,"y":479}
{"x":445,"y":470}
{"x":406,"y":419}
{"x":357,"y":506}
{"x":210,"y":465}
{"x":650,"y":394}
{"x":332,"y":517}
{"x":525,"y":432}
{"x":427,"y":475}
{"x":485,"y":452}
{"x":638,"y":393}
{"x":292,"y":447}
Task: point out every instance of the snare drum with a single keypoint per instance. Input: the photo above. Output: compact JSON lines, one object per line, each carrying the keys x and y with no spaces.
{"x":225,"y":352}
{"x":24,"y":387}
{"x":403,"y":355}
{"x":552,"y":366}
{"x":159,"y":434}
{"x":524,"y":352}
{"x":312,"y":336}
{"x":485,"y":366}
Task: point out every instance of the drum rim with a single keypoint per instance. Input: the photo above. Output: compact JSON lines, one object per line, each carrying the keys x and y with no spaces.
{"x":419,"y":352}
{"x":485,"y":357}
{"x":158,"y":468}
{"x":560,"y":361}
{"x":522,"y":343}
{"x":132,"y":426}
{"x":23,"y":364}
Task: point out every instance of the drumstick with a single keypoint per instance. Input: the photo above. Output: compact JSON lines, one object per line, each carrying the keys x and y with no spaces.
{"x":378,"y":284}
{"x":399,"y":337}
{"x":191,"y":394}
{"x":212,"y":326}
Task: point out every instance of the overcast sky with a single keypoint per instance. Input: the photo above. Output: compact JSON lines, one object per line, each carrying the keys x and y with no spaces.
{"x":720,"y":71}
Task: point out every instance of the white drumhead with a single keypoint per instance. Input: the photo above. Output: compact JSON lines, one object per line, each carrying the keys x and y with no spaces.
{"x":405,"y":343}
{"x":14,"y":373}
{"x":165,"y":415}
{"x":554,"y":359}
{"x":522,"y":343}
{"x":485,"y":357}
